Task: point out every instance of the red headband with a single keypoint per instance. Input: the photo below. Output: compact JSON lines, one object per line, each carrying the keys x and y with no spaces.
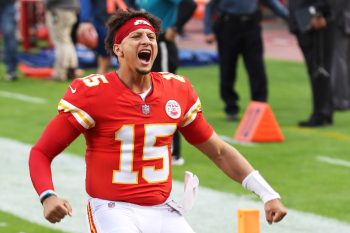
{"x":130,"y":26}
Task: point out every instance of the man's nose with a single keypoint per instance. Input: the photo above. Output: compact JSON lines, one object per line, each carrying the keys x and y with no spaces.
{"x":145,"y":39}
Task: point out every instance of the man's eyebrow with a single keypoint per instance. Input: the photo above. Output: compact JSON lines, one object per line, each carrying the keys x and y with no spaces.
{"x":141,"y":32}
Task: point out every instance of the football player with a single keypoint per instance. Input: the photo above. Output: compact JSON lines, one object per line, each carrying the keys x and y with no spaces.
{"x":128,"y":118}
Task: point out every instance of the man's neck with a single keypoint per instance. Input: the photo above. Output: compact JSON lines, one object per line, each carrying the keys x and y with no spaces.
{"x":137,"y":83}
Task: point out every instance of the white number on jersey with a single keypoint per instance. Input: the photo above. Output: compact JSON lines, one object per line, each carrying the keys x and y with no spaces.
{"x":125,"y":174}
{"x":94,"y":80}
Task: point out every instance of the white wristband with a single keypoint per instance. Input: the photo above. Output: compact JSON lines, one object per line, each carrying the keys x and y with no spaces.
{"x":46,"y":194}
{"x":255,"y":183}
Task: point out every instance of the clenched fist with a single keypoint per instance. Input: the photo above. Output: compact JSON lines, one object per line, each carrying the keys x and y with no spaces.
{"x":55,"y":209}
{"x":274,"y":211}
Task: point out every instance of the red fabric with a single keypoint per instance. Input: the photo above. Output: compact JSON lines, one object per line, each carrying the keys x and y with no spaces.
{"x":130,"y":26}
{"x":199,"y":125}
{"x":128,"y":156}
{"x":56,"y":137}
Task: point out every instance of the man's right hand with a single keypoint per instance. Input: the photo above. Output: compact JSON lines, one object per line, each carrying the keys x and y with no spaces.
{"x":318,"y":22}
{"x":170,"y":34}
{"x":210,"y":38}
{"x":55,"y":209}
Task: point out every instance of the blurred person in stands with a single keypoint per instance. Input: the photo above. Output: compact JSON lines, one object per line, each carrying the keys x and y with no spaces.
{"x":93,"y":16}
{"x":128,"y":117}
{"x":340,"y":67}
{"x":185,"y":11}
{"x":235,"y":25}
{"x":8,"y":28}
{"x":167,"y":59}
{"x":310,"y":21}
{"x":60,"y":19}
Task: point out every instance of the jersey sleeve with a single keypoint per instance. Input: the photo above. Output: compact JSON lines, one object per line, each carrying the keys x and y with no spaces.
{"x":77,"y":103}
{"x":194,"y":127}
{"x":58,"y":135}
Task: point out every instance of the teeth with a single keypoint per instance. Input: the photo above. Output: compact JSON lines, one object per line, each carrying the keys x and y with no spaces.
{"x":145,"y":51}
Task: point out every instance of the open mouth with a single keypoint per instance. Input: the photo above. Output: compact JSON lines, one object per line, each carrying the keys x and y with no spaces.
{"x":144,"y":55}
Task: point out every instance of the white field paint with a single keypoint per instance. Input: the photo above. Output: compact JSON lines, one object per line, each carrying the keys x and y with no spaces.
{"x":333,"y":161}
{"x":213,"y":211}
{"x":3,"y":224}
{"x":21,"y":97}
{"x":232,"y":141}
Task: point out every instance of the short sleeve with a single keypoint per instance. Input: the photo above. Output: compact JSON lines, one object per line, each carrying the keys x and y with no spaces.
{"x":194,"y":126}
{"x":76,"y":102}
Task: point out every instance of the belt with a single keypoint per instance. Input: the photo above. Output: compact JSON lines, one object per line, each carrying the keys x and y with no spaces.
{"x":242,"y":18}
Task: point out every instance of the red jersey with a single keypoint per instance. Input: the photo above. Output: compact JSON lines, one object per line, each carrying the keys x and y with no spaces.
{"x":128,"y":155}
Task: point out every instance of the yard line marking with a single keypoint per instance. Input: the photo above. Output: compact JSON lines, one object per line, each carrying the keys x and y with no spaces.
{"x":232,"y":141}
{"x":18,"y":197}
{"x":3,"y":224}
{"x":25,"y":98}
{"x":311,"y":132}
{"x":338,"y":162}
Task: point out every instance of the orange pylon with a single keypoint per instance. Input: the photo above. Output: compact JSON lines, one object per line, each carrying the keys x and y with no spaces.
{"x":248,"y":221}
{"x":258,"y":125}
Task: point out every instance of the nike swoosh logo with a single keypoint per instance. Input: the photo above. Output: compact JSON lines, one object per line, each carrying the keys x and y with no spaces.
{"x":73,"y":89}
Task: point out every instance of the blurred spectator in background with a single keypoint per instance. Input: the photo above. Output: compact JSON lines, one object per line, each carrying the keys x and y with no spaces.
{"x":340,"y":72}
{"x":8,"y":28}
{"x":310,"y":22}
{"x":93,"y":16}
{"x":235,"y":25}
{"x":167,"y":59}
{"x":61,"y":15}
{"x":185,"y":11}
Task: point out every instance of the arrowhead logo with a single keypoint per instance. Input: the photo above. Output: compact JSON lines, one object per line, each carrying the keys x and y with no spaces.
{"x":73,"y":90}
{"x":173,"y":109}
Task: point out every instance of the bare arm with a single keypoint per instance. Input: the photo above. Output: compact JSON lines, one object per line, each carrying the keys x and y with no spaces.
{"x":233,"y":164}
{"x":227,"y":158}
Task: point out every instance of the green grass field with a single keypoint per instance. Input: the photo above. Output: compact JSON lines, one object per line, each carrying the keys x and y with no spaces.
{"x":16,"y":225}
{"x":304,"y":183}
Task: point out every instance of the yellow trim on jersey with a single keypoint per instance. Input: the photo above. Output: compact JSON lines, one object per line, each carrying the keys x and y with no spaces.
{"x":168,"y":76}
{"x":191,"y":114}
{"x":81,"y":116}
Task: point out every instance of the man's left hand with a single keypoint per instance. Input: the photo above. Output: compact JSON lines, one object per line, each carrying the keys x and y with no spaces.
{"x":318,"y":22}
{"x":170,"y":34}
{"x":274,"y":211}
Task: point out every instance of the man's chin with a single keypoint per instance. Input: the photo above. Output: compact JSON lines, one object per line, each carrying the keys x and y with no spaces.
{"x":143,"y":71}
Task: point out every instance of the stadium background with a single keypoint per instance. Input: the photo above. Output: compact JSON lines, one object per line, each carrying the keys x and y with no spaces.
{"x":310,"y":168}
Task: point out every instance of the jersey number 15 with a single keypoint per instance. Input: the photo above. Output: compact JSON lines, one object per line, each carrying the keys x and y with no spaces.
{"x":126,"y":174}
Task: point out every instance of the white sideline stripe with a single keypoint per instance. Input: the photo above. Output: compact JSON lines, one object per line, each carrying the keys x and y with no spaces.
{"x":25,"y":98}
{"x":329,"y":160}
{"x":213,"y":211}
{"x":3,"y":224}
{"x":232,"y":141}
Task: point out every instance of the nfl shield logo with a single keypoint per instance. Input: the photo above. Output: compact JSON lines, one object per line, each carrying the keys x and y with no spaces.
{"x":111,"y":204}
{"x":146,"y":109}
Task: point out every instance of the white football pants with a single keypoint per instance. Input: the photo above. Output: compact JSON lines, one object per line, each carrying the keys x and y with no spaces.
{"x":121,"y":217}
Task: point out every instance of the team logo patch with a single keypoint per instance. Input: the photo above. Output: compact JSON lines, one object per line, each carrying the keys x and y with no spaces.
{"x":145,"y":109}
{"x":172,"y":109}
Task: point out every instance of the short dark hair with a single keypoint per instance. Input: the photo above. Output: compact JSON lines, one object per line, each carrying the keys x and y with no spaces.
{"x":118,"y":19}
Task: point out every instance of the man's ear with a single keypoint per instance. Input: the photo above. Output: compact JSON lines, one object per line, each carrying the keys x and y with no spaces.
{"x":117,"y":49}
